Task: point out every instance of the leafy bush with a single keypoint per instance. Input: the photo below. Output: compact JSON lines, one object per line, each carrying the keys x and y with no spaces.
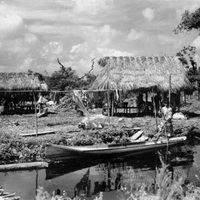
{"x":14,"y":148}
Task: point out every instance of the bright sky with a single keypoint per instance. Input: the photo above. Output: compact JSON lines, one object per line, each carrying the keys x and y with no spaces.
{"x":34,"y":33}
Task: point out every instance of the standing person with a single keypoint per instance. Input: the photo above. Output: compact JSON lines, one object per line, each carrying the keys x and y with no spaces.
{"x":41,"y":103}
{"x":167,"y":119}
{"x":166,"y":127}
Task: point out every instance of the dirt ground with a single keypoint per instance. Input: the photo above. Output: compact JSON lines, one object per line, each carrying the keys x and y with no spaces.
{"x":65,"y":121}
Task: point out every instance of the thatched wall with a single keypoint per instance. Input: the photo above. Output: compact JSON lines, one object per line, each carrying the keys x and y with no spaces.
{"x":21,"y":81}
{"x":136,"y":73}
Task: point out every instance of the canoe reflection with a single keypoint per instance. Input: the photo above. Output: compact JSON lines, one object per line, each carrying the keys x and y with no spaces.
{"x":124,"y":172}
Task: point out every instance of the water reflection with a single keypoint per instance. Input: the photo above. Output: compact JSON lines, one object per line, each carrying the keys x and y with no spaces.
{"x":124,"y":173}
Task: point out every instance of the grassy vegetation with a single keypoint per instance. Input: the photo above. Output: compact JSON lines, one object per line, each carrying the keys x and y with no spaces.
{"x":14,"y":148}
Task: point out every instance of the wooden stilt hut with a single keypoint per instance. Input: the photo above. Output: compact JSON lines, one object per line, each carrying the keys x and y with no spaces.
{"x":141,"y":74}
{"x":16,"y":91}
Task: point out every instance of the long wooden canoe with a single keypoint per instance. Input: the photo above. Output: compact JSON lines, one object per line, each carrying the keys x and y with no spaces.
{"x":61,"y":152}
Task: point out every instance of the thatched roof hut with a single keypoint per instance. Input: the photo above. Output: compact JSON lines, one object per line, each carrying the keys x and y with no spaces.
{"x":21,"y":82}
{"x":141,"y":73}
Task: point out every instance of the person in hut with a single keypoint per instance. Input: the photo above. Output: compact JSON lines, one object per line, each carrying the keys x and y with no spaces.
{"x":131,"y":102}
{"x":126,"y":100}
{"x":157,"y":102}
{"x":140,"y":103}
{"x":175,"y":102}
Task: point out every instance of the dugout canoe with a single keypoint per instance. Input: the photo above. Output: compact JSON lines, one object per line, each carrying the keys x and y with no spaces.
{"x":61,"y":152}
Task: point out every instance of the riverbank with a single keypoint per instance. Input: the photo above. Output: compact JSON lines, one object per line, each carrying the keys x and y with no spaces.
{"x":23,"y":166}
{"x":17,"y":149}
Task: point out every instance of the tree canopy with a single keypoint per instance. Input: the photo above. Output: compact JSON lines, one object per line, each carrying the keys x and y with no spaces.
{"x":67,"y":79}
{"x":189,"y":21}
{"x":63,"y":79}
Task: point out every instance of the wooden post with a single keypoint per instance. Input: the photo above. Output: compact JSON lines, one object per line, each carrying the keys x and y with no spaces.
{"x":112,"y":103}
{"x":109,"y":177}
{"x":36,"y":119}
{"x":36,"y":181}
{"x":170,"y":90}
{"x":197,"y":84}
{"x":155,"y":114}
{"x":108,"y":94}
{"x":184,"y":98}
{"x":146,"y":97}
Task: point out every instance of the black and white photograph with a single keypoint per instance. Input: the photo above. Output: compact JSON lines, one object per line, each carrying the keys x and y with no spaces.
{"x":99,"y":99}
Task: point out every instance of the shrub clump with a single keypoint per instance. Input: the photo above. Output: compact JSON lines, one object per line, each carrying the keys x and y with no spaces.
{"x":14,"y":149}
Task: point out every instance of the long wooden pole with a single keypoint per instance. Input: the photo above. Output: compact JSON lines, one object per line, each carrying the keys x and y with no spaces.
{"x":112,"y":104}
{"x":197,"y":84}
{"x":169,"y":90}
{"x":155,"y":114}
{"x":108,"y":94}
{"x":36,"y":119}
{"x":36,"y":181}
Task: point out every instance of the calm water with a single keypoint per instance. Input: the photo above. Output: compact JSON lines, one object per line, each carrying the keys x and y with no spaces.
{"x":104,"y":175}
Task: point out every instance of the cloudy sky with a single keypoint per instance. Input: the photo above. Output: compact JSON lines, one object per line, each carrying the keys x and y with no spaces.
{"x":34,"y":33}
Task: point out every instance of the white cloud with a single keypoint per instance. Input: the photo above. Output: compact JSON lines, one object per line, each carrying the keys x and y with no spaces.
{"x":30,"y":38}
{"x":100,"y":36}
{"x":79,"y":48}
{"x":76,"y":31}
{"x":39,"y":28}
{"x":10,"y":23}
{"x":148,"y":14}
{"x":80,"y":51}
{"x":91,"y":6}
{"x":16,"y":47}
{"x":52,"y":50}
{"x":113,"y":52}
{"x":196,"y":42}
{"x":105,"y":35}
{"x":74,"y":48}
{"x":165,"y":39}
{"x":27,"y":64}
{"x":134,"y":35}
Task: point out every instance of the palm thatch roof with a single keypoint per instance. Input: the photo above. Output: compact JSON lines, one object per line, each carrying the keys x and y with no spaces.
{"x":141,"y":73}
{"x":21,"y":81}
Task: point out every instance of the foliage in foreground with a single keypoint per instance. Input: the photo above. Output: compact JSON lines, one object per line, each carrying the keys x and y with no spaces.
{"x":44,"y":195}
{"x":14,"y":149}
{"x":174,"y":188}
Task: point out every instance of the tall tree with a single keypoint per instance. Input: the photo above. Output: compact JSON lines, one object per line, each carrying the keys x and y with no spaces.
{"x":63,"y":79}
{"x":186,"y":55}
{"x":67,"y":79}
{"x":189,"y":21}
